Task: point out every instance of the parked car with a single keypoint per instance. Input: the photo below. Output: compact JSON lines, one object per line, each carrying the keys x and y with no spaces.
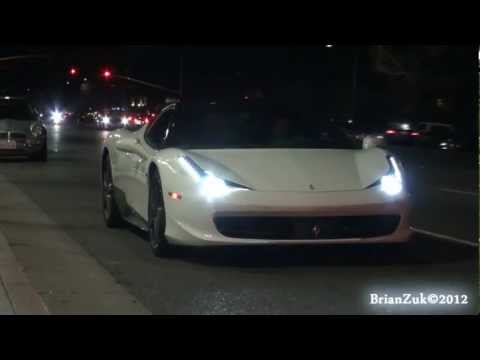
{"x":21,"y":131}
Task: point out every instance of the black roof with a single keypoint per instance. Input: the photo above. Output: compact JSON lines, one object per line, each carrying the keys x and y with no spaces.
{"x":7,"y":101}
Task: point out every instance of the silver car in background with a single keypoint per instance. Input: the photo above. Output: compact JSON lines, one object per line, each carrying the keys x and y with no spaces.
{"x":21,"y":132}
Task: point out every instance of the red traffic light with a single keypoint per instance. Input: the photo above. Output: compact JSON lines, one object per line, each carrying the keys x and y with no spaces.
{"x":106,"y":74}
{"x":73,"y":71}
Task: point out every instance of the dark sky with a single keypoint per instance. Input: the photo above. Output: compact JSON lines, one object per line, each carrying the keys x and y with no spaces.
{"x":161,"y":64}
{"x":315,"y":76}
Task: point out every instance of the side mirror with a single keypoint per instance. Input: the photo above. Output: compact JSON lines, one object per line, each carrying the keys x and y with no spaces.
{"x":372,"y":141}
{"x":128,"y":145}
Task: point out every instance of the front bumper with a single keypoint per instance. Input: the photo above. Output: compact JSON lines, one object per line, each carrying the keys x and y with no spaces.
{"x":26,"y":148}
{"x":190,"y":221}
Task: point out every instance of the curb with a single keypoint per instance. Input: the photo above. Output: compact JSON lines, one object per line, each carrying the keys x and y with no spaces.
{"x":22,"y":296}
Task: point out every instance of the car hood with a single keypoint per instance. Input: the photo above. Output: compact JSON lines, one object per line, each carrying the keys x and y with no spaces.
{"x":295,"y":169}
{"x":12,"y":125}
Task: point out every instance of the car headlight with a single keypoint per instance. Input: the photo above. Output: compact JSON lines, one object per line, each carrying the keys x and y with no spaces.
{"x":36,"y":130}
{"x":213,"y":187}
{"x":106,"y":120}
{"x":392,"y":182}
{"x":210,"y":186}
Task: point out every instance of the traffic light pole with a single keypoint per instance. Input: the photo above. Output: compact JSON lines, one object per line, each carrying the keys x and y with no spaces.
{"x":128,"y":78}
{"x":180,"y":87}
{"x":354,"y":83}
{"x":9,"y":58}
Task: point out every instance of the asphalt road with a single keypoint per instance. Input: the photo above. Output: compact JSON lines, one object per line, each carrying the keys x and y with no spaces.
{"x":289,"y":280}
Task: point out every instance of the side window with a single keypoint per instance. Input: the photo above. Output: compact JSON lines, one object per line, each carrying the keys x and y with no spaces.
{"x":159,"y":130}
{"x":440,"y":131}
{"x":422,"y":127}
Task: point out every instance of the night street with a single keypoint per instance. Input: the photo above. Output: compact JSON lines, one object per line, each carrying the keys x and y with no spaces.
{"x":52,"y":218}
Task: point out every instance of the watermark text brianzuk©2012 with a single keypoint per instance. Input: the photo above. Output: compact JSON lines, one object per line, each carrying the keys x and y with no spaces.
{"x":418,"y":299}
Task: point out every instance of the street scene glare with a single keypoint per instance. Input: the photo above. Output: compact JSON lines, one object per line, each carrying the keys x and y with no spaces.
{"x":239,"y":180}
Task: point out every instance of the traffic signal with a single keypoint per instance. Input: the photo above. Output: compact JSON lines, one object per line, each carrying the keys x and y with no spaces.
{"x":73,"y":71}
{"x":106,"y":74}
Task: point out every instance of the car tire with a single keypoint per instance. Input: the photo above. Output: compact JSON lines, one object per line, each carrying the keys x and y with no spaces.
{"x":41,"y":155}
{"x":157,"y":218}
{"x":111,"y":211}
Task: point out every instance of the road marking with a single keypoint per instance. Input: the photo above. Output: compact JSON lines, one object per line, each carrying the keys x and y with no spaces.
{"x":471,"y":193}
{"x":445,"y":237}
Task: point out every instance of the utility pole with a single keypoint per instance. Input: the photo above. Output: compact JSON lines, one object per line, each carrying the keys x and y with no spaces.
{"x":128,"y":78}
{"x":20,"y":57}
{"x":180,"y":87}
{"x":354,"y":82}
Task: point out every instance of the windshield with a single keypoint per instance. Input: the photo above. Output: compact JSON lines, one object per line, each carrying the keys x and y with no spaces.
{"x":16,"y":112}
{"x":254,"y":128}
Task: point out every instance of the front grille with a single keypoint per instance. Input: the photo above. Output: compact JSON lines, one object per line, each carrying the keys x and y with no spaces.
{"x":12,"y":153}
{"x":13,"y":136}
{"x":292,"y":228}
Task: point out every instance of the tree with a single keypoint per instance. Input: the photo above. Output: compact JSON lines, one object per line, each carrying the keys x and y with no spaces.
{"x":413,"y":73}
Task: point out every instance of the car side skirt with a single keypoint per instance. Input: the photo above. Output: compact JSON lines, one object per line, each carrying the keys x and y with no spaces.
{"x":127,"y":212}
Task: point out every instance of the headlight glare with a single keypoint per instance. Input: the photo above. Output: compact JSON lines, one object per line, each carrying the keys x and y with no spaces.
{"x":392,"y":182}
{"x":56,"y":116}
{"x":390,"y":185}
{"x":210,"y":186}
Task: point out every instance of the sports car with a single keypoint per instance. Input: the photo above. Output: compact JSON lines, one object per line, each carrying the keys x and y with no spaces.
{"x":213,"y":174}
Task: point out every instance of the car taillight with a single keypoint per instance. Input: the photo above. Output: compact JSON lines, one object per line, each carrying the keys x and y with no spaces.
{"x":415,"y":134}
{"x":390,"y":132}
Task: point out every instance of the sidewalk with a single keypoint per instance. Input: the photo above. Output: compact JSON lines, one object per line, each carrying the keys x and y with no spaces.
{"x":17,"y":296}
{"x":65,"y":275}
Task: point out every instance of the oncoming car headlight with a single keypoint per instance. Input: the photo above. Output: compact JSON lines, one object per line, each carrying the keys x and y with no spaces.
{"x":392,"y":182}
{"x":56,"y":116}
{"x":210,"y":186}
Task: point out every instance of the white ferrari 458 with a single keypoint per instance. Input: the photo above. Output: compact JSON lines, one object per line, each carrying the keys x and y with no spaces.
{"x":248,"y":174}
